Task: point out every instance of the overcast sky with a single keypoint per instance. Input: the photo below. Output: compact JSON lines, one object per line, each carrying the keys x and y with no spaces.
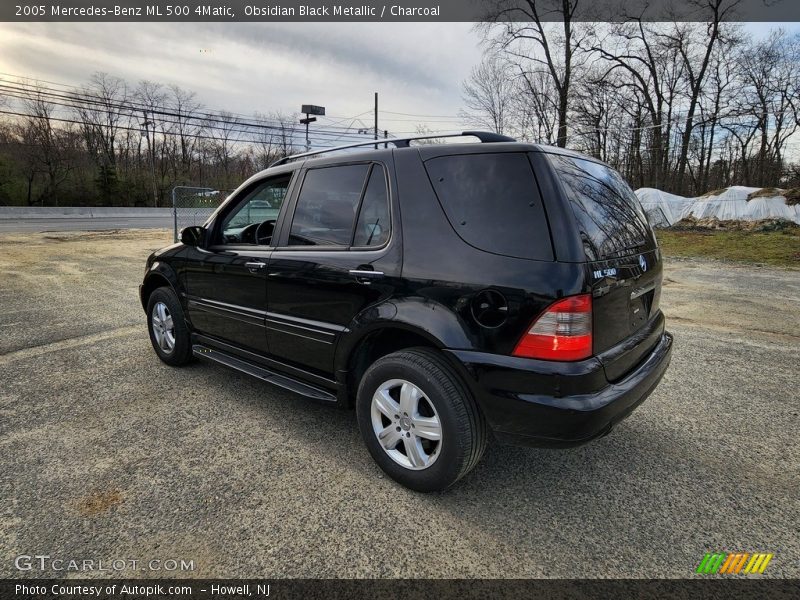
{"x":416,"y":67}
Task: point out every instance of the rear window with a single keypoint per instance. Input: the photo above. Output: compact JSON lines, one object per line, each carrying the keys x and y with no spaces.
{"x":609,"y":215}
{"x":493,"y":203}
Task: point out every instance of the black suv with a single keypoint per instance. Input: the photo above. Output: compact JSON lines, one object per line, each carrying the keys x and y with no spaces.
{"x":448,"y":291}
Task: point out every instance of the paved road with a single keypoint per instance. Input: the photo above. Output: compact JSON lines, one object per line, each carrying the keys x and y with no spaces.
{"x":107,"y":453}
{"x":82,"y":224}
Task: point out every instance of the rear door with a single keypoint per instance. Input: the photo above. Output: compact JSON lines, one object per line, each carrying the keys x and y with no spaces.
{"x":622,"y":255}
{"x":338,"y":254}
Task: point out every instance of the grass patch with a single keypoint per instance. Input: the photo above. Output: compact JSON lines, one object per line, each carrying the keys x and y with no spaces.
{"x":775,"y":248}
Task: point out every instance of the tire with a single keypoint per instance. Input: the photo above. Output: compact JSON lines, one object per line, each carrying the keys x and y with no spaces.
{"x":171,"y":342}
{"x":418,"y":461}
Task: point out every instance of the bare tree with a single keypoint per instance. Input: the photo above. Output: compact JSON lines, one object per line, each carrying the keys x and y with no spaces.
{"x":47,"y":150}
{"x":274,"y":139}
{"x":186,"y":107}
{"x":225,"y":132}
{"x":696,"y":57}
{"x":150,"y":97}
{"x":518,"y":30}
{"x":488,"y":94}
{"x":653,"y":68}
{"x":715,"y":103}
{"x":104,"y":112}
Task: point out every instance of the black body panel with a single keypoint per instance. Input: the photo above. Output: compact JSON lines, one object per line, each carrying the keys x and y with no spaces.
{"x":226,"y":297}
{"x":540,"y":403}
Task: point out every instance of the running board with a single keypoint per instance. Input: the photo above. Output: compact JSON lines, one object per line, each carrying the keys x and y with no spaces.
{"x":304,"y":389}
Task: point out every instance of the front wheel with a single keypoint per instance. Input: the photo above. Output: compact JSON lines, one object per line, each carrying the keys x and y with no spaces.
{"x":167,"y":326}
{"x":419,"y":421}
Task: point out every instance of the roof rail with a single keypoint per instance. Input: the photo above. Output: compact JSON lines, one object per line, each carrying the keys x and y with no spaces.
{"x":484,"y":136}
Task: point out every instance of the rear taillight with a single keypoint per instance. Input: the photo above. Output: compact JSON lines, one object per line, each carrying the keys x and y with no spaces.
{"x":562,"y":332}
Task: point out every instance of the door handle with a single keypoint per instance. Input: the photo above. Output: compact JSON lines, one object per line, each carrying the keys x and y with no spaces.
{"x":255,"y":266}
{"x":364,"y":276}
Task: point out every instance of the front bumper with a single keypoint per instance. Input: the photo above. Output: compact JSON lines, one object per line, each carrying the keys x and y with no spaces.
{"x":541,"y":403}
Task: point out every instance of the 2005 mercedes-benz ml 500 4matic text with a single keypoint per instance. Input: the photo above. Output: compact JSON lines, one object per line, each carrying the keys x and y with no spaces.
{"x":450,"y":292}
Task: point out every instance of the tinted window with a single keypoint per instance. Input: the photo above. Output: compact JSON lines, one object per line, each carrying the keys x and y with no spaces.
{"x":609,"y":215}
{"x":372,"y":228}
{"x":493,"y":203}
{"x":326,"y":208}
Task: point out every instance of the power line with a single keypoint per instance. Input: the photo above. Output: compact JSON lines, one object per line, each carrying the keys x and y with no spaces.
{"x":123,"y":109}
{"x":129,"y":128}
{"x":79,"y":102}
{"x":288,"y":132}
{"x":78,"y":90}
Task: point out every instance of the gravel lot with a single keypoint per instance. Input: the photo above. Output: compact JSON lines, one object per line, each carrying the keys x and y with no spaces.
{"x":106,"y":453}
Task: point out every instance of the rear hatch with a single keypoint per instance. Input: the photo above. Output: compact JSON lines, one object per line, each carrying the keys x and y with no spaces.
{"x":623,"y":261}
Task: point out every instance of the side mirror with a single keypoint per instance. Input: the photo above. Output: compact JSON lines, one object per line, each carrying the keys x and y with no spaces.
{"x":193,"y":236}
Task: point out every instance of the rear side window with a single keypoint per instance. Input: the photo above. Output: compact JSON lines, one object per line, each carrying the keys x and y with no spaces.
{"x":372,"y":228}
{"x":493,"y":203}
{"x":609,"y":216}
{"x":327,"y":206}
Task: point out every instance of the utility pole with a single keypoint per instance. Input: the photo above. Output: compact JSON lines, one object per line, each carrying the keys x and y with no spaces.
{"x":306,"y":122}
{"x":151,"y":149}
{"x":376,"y":119}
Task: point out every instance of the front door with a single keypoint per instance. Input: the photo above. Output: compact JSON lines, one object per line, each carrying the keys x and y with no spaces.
{"x":227,"y":281}
{"x":337,"y":257}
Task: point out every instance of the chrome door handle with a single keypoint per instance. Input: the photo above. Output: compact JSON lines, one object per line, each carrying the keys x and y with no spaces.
{"x":366,"y":274}
{"x":255,"y":266}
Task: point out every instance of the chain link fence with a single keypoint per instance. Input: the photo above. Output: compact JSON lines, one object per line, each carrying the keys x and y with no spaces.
{"x":193,"y":205}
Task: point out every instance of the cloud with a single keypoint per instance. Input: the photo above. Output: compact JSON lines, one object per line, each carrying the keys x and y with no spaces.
{"x":246,"y":67}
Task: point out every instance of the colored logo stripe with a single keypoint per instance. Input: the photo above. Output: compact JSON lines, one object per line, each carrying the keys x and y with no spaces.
{"x":711,"y":563}
{"x":732,"y":563}
{"x":758,"y":563}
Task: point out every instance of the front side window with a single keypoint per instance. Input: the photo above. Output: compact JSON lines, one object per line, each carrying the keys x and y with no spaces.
{"x":328,"y":205}
{"x":253,"y":221}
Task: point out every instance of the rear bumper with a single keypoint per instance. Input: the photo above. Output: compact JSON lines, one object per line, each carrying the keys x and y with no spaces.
{"x":541,"y":403}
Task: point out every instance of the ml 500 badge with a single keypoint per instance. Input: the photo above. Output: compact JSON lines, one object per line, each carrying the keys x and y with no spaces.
{"x":600,"y":273}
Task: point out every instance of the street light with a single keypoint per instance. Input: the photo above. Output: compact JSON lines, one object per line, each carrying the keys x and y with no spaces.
{"x":310,"y":109}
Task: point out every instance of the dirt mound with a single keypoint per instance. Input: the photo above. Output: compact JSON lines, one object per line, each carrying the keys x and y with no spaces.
{"x":712,"y":223}
{"x":792,"y":195}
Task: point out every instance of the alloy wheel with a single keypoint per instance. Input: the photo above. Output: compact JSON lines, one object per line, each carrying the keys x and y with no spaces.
{"x":406,"y":424}
{"x":163,"y":327}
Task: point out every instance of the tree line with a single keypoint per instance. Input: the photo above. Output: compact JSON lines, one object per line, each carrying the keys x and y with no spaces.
{"x":110,"y":143}
{"x":685,"y":107}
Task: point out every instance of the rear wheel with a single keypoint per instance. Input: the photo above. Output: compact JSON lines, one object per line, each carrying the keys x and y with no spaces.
{"x":419,"y":421}
{"x":167,"y":326}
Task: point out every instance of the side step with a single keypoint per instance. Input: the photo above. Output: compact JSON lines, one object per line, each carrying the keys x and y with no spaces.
{"x":304,"y":389}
